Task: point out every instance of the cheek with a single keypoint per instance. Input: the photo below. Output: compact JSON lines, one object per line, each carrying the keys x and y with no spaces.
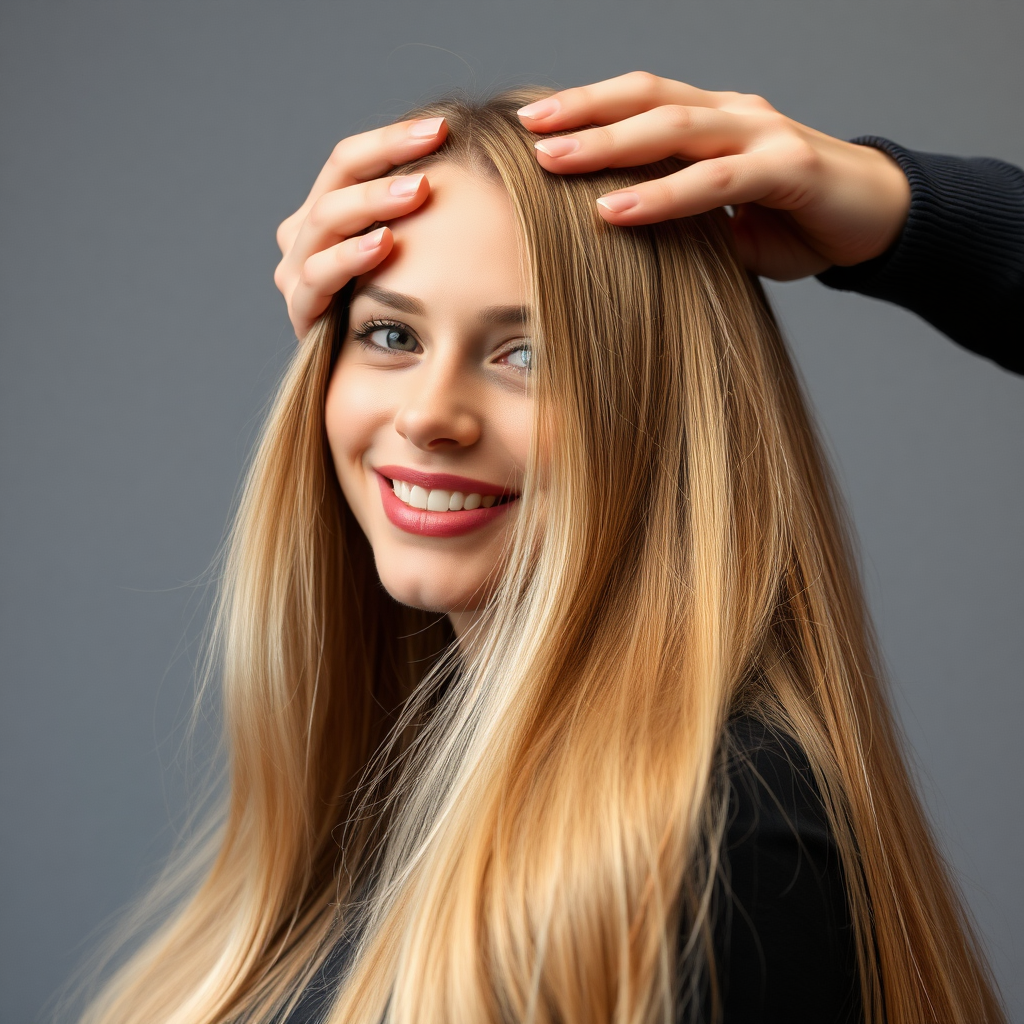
{"x":353,"y":412}
{"x":513,"y":426}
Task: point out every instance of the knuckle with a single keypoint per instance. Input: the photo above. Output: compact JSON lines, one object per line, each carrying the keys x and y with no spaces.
{"x":579,"y":97}
{"x":601,"y":138}
{"x":319,"y":212}
{"x":307,"y":275}
{"x":643,"y":82}
{"x":747,"y":102}
{"x":775,"y":122}
{"x":720,"y":176}
{"x":661,"y":194}
{"x":339,"y":155}
{"x":803,"y":158}
{"x":676,"y":117}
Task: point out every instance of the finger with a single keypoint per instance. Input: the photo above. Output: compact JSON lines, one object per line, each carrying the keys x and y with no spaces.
{"x":613,"y":100}
{"x":725,"y":181}
{"x":769,"y":243}
{"x":695,"y":133}
{"x":326,"y":272}
{"x":362,"y":157}
{"x":337,"y":215}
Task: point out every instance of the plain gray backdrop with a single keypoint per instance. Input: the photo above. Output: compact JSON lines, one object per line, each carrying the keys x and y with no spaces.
{"x":148,"y":152}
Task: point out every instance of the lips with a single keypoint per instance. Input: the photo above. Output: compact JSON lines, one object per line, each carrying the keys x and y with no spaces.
{"x":439,"y":524}
{"x":445,"y":481}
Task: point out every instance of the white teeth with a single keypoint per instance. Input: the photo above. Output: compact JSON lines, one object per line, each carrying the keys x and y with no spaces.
{"x":439,"y":500}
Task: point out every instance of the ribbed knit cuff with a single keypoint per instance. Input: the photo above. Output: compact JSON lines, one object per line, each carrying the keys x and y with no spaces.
{"x":959,"y":261}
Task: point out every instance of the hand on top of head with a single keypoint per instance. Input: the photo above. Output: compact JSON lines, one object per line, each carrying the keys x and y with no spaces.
{"x":803,"y":200}
{"x":319,"y":250}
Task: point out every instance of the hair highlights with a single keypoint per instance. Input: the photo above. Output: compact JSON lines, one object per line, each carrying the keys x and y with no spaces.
{"x":530,"y":830}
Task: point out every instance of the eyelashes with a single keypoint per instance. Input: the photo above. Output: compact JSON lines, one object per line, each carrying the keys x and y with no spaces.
{"x":375,"y":324}
{"x":520,"y":357}
{"x":393,"y":330}
{"x":399,"y":339}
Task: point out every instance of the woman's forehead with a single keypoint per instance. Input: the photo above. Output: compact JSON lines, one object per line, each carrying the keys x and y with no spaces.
{"x":462,"y":243}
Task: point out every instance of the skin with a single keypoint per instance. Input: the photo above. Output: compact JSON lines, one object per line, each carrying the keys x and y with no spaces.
{"x":802,"y":201}
{"x":452,"y":399}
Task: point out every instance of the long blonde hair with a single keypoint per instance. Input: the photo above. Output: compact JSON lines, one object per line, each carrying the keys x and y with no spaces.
{"x":529,"y":829}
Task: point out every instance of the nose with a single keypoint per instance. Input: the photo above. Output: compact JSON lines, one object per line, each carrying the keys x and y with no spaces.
{"x":438,"y":409}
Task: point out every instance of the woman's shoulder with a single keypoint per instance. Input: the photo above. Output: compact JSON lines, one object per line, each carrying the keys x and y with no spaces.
{"x":772,"y":786}
{"x":784,"y":943}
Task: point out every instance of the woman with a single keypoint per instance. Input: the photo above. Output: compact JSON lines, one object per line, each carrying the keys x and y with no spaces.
{"x":610,"y":743}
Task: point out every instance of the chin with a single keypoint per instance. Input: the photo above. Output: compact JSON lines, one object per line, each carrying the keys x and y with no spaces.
{"x":431,"y":591}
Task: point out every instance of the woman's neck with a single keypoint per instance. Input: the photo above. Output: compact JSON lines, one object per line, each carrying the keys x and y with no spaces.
{"x":462,"y":622}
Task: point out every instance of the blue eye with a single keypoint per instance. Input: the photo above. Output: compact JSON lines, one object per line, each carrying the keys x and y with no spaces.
{"x":388,"y":336}
{"x":519,"y":357}
{"x":393,"y":338}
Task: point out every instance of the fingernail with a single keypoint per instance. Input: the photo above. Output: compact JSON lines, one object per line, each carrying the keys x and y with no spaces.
{"x":619,"y":201}
{"x":371,"y":241}
{"x":405,"y":185}
{"x":539,"y":110}
{"x":561,"y":146}
{"x":426,"y":127}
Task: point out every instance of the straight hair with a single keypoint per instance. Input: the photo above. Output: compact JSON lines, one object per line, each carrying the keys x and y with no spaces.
{"x":528,"y":827}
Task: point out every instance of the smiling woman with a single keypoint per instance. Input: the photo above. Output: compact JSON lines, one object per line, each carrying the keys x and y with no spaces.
{"x":429,"y":416}
{"x":609,"y":743}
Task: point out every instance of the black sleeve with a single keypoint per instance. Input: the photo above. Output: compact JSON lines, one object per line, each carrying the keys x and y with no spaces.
{"x":959,"y":262}
{"x":783,"y":940}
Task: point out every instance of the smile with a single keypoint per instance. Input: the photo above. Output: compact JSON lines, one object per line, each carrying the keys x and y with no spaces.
{"x":439,"y":504}
{"x":439,"y":500}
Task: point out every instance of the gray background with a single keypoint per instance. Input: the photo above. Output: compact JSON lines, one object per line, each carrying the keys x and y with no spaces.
{"x":148,"y":151}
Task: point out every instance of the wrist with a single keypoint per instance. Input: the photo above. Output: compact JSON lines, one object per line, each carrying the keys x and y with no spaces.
{"x":891,"y":197}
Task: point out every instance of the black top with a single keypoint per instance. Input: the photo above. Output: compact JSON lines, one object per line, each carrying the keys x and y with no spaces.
{"x":784,"y":943}
{"x":782,"y":933}
{"x":959,"y":262}
{"x":783,"y":940}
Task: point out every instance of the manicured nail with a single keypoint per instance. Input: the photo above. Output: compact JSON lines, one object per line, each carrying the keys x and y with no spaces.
{"x":562,"y":146}
{"x":619,"y":201}
{"x":426,"y":128}
{"x":371,"y":241}
{"x":539,"y":110}
{"x":405,"y":185}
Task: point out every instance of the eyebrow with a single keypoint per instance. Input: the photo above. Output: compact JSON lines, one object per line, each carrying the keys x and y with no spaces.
{"x":494,"y":316}
{"x":499,"y":316}
{"x":396,"y":300}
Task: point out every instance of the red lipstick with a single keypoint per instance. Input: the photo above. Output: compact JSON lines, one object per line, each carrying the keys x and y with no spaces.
{"x":438,"y":524}
{"x":443,"y":481}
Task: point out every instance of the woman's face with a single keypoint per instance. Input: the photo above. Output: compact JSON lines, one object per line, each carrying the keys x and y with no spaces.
{"x":428,"y":413}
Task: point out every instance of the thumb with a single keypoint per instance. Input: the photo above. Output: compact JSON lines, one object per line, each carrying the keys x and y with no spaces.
{"x":769,"y":244}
